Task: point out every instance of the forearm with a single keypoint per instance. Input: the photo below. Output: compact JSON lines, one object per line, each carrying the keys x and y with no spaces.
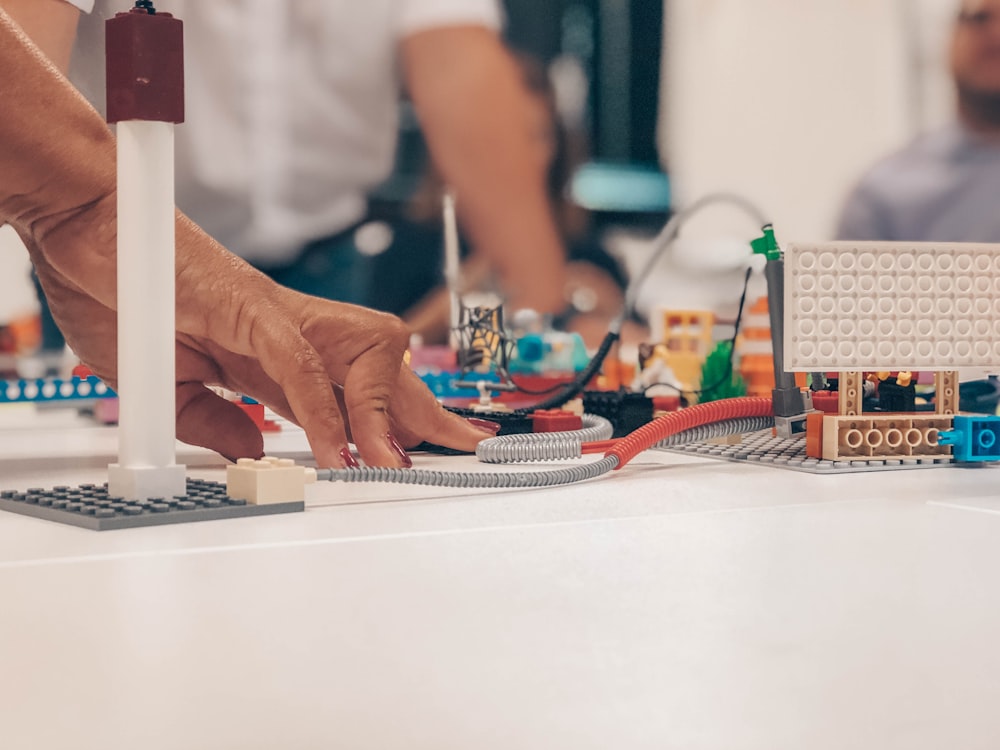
{"x":57,"y":158}
{"x":56,"y":153}
{"x":51,"y":24}
{"x":475,"y":113}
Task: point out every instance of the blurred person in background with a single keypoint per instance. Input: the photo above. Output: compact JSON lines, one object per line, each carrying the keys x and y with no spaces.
{"x":944,"y":186}
{"x":410,"y":271}
{"x":292,"y":118}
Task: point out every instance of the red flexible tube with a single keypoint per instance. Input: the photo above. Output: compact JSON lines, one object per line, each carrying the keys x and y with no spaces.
{"x":695,"y":416}
{"x":599,"y":446}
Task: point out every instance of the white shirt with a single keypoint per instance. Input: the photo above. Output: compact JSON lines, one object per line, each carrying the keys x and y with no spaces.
{"x":292,"y":108}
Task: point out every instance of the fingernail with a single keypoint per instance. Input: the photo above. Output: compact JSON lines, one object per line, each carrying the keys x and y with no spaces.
{"x":485,"y":425}
{"x":348,"y":458}
{"x":398,"y":449}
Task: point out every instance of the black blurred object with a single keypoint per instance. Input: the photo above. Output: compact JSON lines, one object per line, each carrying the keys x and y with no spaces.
{"x":619,"y":47}
{"x":53,"y":341}
{"x":979,"y":396}
{"x":895,"y":397}
{"x":626,"y":411}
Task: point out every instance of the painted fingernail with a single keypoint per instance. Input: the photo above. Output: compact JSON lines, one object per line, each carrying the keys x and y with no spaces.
{"x":348,"y":458}
{"x":485,"y":425}
{"x":398,"y":449}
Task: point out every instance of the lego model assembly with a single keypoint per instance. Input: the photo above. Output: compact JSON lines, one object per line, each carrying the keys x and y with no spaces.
{"x":872,"y":314}
{"x":861,"y":317}
{"x":868,"y":325}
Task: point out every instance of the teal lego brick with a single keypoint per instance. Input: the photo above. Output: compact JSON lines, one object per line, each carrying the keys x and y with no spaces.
{"x":973,"y":439}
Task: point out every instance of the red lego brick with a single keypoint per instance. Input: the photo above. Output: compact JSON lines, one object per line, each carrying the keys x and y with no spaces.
{"x":555,"y":420}
{"x":826,"y":401}
{"x":666,"y":403}
{"x":145,"y":67}
{"x":255,"y":412}
{"x":814,"y":433}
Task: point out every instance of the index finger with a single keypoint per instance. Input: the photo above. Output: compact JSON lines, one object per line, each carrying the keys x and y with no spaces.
{"x":370,"y":385}
{"x":298,"y":369}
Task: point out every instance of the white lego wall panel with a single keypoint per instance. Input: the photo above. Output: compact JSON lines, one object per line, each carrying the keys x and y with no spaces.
{"x":891,"y":306}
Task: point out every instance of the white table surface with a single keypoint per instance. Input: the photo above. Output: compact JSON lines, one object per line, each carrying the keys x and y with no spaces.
{"x":680,"y":603}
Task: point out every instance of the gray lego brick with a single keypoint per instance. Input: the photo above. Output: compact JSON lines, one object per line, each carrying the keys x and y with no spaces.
{"x":89,"y":506}
{"x":783,"y":453}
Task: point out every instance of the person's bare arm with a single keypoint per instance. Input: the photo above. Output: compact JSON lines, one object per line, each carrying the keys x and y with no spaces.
{"x":51,"y":24}
{"x":475,"y":113}
{"x":336,"y":369}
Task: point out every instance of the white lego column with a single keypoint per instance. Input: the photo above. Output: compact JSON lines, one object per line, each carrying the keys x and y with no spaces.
{"x":452,"y":267}
{"x":147,"y":464}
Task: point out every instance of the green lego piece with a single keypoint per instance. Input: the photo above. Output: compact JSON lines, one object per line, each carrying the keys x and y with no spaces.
{"x":718,"y":379}
{"x":767,"y":245}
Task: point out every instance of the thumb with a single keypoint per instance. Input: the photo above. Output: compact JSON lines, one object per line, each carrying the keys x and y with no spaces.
{"x":208,"y":420}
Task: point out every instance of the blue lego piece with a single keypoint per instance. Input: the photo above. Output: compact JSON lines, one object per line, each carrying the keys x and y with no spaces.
{"x":46,"y":390}
{"x":552,"y":351}
{"x":975,"y":438}
{"x":442,"y":383}
{"x":531,"y":348}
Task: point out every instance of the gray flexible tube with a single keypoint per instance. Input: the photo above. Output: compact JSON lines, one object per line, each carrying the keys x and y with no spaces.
{"x":475,"y":480}
{"x":543,"y":446}
{"x":536,"y":443}
{"x":558,"y":446}
{"x":725,"y":428}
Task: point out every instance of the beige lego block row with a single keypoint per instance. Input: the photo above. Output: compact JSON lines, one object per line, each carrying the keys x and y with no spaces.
{"x":946,"y":392}
{"x":269,"y":480}
{"x":846,"y":438}
{"x":851,"y":392}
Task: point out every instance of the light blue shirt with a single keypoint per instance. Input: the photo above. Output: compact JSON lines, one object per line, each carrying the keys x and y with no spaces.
{"x":943,"y":187}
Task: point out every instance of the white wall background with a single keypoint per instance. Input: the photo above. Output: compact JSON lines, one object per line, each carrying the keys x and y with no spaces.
{"x":788,"y":101}
{"x":17,"y":295}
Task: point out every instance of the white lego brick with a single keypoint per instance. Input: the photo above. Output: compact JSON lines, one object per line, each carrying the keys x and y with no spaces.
{"x":268,"y":480}
{"x":146,"y":482}
{"x":891,"y":306}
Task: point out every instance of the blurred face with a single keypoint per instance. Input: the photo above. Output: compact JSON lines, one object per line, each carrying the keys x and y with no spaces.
{"x":975,"y":49}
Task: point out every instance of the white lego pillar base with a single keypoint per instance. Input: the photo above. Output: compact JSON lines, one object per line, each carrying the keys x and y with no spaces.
{"x":146,"y":482}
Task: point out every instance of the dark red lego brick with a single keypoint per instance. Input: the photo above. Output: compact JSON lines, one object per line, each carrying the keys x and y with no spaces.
{"x":144,"y":59}
{"x":555,"y":420}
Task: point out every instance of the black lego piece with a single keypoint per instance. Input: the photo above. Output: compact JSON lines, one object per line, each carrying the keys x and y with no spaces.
{"x":90,"y":507}
{"x":626,"y":411}
{"x":511,"y":423}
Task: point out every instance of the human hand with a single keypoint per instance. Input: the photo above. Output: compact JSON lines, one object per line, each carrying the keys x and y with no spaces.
{"x":335,"y":369}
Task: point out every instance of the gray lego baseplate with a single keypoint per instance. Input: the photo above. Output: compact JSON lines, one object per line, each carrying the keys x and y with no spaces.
{"x":90,"y":507}
{"x":784,"y":453}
